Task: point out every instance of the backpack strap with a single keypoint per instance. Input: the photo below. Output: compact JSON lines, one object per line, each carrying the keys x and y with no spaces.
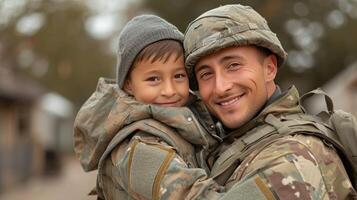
{"x":240,"y":148}
{"x":319,"y":91}
{"x":346,"y":123}
{"x":343,"y":134}
{"x":274,"y":128}
{"x":281,"y":128}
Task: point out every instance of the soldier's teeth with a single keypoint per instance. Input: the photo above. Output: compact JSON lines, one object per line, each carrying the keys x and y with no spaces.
{"x":229,"y":102}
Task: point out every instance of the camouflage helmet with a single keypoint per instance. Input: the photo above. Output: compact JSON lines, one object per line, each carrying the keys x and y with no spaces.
{"x":226,"y":26}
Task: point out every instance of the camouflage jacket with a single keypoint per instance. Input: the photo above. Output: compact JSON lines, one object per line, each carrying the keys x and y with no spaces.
{"x":141,"y":151}
{"x":294,"y":166}
{"x":144,"y":165}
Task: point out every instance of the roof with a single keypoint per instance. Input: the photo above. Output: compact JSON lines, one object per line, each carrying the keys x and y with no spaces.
{"x":16,"y":86}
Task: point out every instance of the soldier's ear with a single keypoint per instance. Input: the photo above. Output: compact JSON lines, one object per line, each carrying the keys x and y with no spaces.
{"x":270,"y":67}
{"x":127,"y":87}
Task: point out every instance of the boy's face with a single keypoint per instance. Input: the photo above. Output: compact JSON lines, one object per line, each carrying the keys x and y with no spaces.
{"x":164,"y":84}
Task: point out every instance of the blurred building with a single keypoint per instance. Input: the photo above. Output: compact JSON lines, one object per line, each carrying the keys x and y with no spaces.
{"x":343,"y":91}
{"x":35,"y":127}
{"x":53,"y":125}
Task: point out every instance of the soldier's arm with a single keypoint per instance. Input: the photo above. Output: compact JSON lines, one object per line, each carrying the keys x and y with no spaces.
{"x":148,"y":168}
{"x":297,"y":168}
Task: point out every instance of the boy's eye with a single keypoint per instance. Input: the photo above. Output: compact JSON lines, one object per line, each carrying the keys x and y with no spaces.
{"x":153,"y":79}
{"x":180,"y":76}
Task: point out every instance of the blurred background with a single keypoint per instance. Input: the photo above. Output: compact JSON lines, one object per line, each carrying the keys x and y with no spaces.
{"x":52,"y":53}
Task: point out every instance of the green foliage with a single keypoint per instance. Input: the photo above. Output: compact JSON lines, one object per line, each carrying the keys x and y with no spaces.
{"x":74,"y":59}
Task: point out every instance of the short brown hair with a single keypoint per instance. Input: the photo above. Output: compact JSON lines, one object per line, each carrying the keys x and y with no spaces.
{"x":161,"y":50}
{"x":264,"y":52}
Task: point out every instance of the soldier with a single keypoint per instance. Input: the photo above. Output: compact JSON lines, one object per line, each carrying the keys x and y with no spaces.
{"x":270,"y":149}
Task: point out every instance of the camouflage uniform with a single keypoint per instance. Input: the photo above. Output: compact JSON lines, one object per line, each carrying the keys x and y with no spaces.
{"x":140,"y":150}
{"x":137,"y":161}
{"x":279,"y":154}
{"x":299,"y":165}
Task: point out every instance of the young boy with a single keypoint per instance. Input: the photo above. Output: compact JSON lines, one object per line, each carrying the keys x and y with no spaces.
{"x":136,"y":131}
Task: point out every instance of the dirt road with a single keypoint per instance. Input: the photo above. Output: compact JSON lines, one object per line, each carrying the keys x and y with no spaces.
{"x":72,"y":183}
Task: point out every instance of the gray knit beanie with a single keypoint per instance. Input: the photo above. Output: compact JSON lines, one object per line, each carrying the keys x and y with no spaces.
{"x":138,"y":33}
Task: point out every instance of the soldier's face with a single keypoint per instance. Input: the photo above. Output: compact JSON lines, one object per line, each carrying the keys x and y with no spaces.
{"x":235,"y":83}
{"x":164,"y":84}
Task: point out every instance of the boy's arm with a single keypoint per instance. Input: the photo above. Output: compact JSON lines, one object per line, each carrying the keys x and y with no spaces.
{"x":148,"y":168}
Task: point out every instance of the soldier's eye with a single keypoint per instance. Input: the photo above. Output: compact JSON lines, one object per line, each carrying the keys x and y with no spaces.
{"x":205,"y":75}
{"x":233,"y":66}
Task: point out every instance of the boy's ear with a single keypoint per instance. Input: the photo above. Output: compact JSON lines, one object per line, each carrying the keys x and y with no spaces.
{"x":127,"y":87}
{"x":271,"y":67}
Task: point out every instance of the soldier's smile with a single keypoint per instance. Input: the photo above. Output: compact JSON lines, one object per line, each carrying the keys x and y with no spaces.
{"x":231,"y":101}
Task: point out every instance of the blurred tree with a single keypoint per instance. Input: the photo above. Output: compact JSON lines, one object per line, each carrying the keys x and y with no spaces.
{"x":317,"y":34}
{"x":48,"y":40}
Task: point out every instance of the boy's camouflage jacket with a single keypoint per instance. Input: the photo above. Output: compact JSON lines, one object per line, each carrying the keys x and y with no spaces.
{"x":136,"y":145}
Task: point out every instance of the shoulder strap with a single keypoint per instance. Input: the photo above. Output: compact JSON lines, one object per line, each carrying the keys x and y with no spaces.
{"x":343,"y":135}
{"x":240,"y":148}
{"x":319,"y":91}
{"x":346,"y":123}
{"x":310,"y":125}
{"x":277,"y":127}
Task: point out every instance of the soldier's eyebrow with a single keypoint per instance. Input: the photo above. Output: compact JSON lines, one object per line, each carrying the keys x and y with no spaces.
{"x":228,"y":58}
{"x":201,"y":67}
{"x":221,"y":61}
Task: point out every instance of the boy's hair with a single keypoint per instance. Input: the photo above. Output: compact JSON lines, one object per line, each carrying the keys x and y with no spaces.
{"x":159,"y":51}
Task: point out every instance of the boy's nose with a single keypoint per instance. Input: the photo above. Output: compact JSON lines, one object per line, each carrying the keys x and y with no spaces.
{"x":168,"y":89}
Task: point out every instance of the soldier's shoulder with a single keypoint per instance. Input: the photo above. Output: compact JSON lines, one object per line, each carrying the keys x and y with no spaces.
{"x":308,"y":158}
{"x":309,"y":147}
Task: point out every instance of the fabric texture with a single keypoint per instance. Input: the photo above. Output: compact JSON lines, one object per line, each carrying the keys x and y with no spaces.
{"x":293,"y":167}
{"x":110,"y":127}
{"x":144,"y":168}
{"x":136,"y":35}
{"x":109,"y":109}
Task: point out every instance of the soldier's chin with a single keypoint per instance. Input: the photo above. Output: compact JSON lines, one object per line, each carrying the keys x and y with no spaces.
{"x":232,"y":124}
